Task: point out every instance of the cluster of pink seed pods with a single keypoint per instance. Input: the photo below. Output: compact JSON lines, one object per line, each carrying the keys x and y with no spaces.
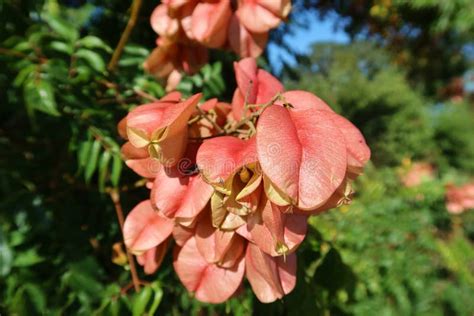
{"x":188,"y":28}
{"x":460,"y":198}
{"x":234,"y":184}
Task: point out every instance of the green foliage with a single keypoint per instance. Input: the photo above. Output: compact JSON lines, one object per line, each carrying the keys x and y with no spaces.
{"x":60,"y":147}
{"x":61,"y":155}
{"x":385,"y":254}
{"x":420,"y":33}
{"x":99,"y":152}
{"x":6,"y":258}
{"x":453,"y":135}
{"x":458,"y":254}
{"x":208,"y":81}
{"x":63,"y":74}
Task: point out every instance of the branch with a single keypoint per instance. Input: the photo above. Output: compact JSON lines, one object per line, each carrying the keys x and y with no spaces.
{"x":253,"y":115}
{"x":115,"y":196}
{"x":145,"y":95}
{"x":14,"y":53}
{"x":214,"y":124}
{"x":248,"y":121}
{"x":125,"y":35}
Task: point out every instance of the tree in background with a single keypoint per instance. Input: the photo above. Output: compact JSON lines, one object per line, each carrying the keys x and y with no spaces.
{"x":420,"y":33}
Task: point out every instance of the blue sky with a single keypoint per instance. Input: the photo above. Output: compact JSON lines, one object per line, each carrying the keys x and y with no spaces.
{"x":317,"y":31}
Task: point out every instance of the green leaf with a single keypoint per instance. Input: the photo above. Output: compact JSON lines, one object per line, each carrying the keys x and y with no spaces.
{"x":458,"y":255}
{"x":29,"y":299}
{"x":131,"y":61}
{"x":110,"y":305}
{"x":62,"y":28}
{"x":206,"y":72}
{"x":81,"y":281}
{"x":219,"y":83}
{"x":37,"y":296}
{"x":213,"y":87}
{"x":216,"y":69}
{"x":24,"y":74}
{"x":78,"y":16}
{"x":36,"y":38}
{"x":61,"y":47}
{"x":27,"y":258}
{"x":83,"y":278}
{"x":334,"y":274}
{"x":91,"y":41}
{"x":150,"y":85}
{"x":136,"y":50}
{"x":185,"y":86}
{"x":141,"y":300}
{"x":39,"y":95}
{"x":84,"y":152}
{"x":114,"y":307}
{"x":6,"y":256}
{"x":158,"y":296}
{"x":197,"y":80}
{"x":103,"y":169}
{"x":92,"y":58}
{"x":59,"y":70}
{"x":116,"y":170}
{"x":83,"y":74}
{"x":155,"y":89}
{"x":17,"y":237}
{"x":91,"y":164}
{"x":22,"y":46}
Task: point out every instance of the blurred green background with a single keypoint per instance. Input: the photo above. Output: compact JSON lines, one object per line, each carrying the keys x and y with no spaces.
{"x":404,"y":76}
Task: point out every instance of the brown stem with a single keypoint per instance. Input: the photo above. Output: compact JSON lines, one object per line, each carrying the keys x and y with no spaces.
{"x":14,"y":53}
{"x":199,"y":139}
{"x":125,"y":35}
{"x":245,"y":121}
{"x":125,"y":289}
{"x":115,"y":87}
{"x":214,"y":124}
{"x":246,"y":99}
{"x":253,"y":115}
{"x":115,"y":196}
{"x":145,"y":95}
{"x":137,"y":184}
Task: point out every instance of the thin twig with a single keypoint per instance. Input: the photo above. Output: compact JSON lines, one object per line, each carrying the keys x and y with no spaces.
{"x":116,"y":88}
{"x":128,"y":100}
{"x":115,"y":196}
{"x":253,"y":115}
{"x":125,"y":35}
{"x":14,"y":53}
{"x":125,"y":289}
{"x":246,"y":98}
{"x":200,"y":139}
{"x":194,"y":119}
{"x":204,"y":115}
{"x":133,"y":186}
{"x":145,"y":95}
{"x":245,"y":121}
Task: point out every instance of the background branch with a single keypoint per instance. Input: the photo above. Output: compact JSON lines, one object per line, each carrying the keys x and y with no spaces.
{"x":115,"y":196}
{"x":136,"y":5}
